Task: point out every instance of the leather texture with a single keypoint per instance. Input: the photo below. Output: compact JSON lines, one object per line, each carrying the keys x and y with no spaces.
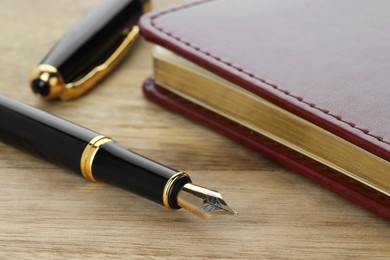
{"x":327,"y":61}
{"x":321,"y":174}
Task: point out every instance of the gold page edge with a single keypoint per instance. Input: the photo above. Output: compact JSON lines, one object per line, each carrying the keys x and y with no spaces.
{"x":274,"y":137}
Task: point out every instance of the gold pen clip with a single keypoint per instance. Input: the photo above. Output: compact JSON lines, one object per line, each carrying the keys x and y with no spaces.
{"x":57,"y":88}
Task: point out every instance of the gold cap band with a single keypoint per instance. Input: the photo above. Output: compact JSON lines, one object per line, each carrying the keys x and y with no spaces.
{"x":169,"y":185}
{"x":89,"y":154}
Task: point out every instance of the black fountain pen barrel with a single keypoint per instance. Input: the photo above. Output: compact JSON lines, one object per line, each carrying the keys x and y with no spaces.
{"x":117,"y":165}
{"x":98,"y":157}
{"x":86,"y":152}
{"x":57,"y":140}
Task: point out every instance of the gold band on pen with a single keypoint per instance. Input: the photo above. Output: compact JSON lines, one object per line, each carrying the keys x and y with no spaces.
{"x":89,"y":154}
{"x":169,"y":185}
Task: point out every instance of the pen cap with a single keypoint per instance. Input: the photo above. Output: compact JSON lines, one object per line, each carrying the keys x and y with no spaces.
{"x":89,"y":50}
{"x":93,"y":38}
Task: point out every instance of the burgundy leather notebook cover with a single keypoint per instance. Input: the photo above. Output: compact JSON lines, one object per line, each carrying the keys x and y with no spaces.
{"x":325,"y":61}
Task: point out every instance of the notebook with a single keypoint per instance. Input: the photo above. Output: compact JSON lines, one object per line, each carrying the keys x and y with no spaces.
{"x":305,"y":84}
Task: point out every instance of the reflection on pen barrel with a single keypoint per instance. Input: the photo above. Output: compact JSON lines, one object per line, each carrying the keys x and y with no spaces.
{"x":88,"y":51}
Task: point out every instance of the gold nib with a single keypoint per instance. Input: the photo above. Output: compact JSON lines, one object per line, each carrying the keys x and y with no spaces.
{"x":203,"y":202}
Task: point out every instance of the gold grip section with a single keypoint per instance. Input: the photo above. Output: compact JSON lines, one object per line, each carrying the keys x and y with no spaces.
{"x":169,"y":185}
{"x":71,"y":90}
{"x":89,"y":154}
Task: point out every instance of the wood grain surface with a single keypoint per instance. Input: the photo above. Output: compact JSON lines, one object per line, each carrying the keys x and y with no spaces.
{"x":50,"y":213}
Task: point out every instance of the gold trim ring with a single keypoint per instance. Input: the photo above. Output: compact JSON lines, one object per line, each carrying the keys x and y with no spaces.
{"x":169,"y":185}
{"x":89,"y":154}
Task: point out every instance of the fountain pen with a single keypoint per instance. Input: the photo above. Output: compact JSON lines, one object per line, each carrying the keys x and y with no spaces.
{"x":89,"y":50}
{"x":99,"y":158}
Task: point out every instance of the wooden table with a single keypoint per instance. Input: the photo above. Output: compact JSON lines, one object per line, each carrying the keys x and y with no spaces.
{"x":50,"y":213}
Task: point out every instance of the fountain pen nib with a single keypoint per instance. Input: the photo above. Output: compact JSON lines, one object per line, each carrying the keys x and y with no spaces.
{"x":203,"y":202}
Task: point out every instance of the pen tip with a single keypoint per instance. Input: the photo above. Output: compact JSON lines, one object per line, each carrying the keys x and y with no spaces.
{"x":203,"y":202}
